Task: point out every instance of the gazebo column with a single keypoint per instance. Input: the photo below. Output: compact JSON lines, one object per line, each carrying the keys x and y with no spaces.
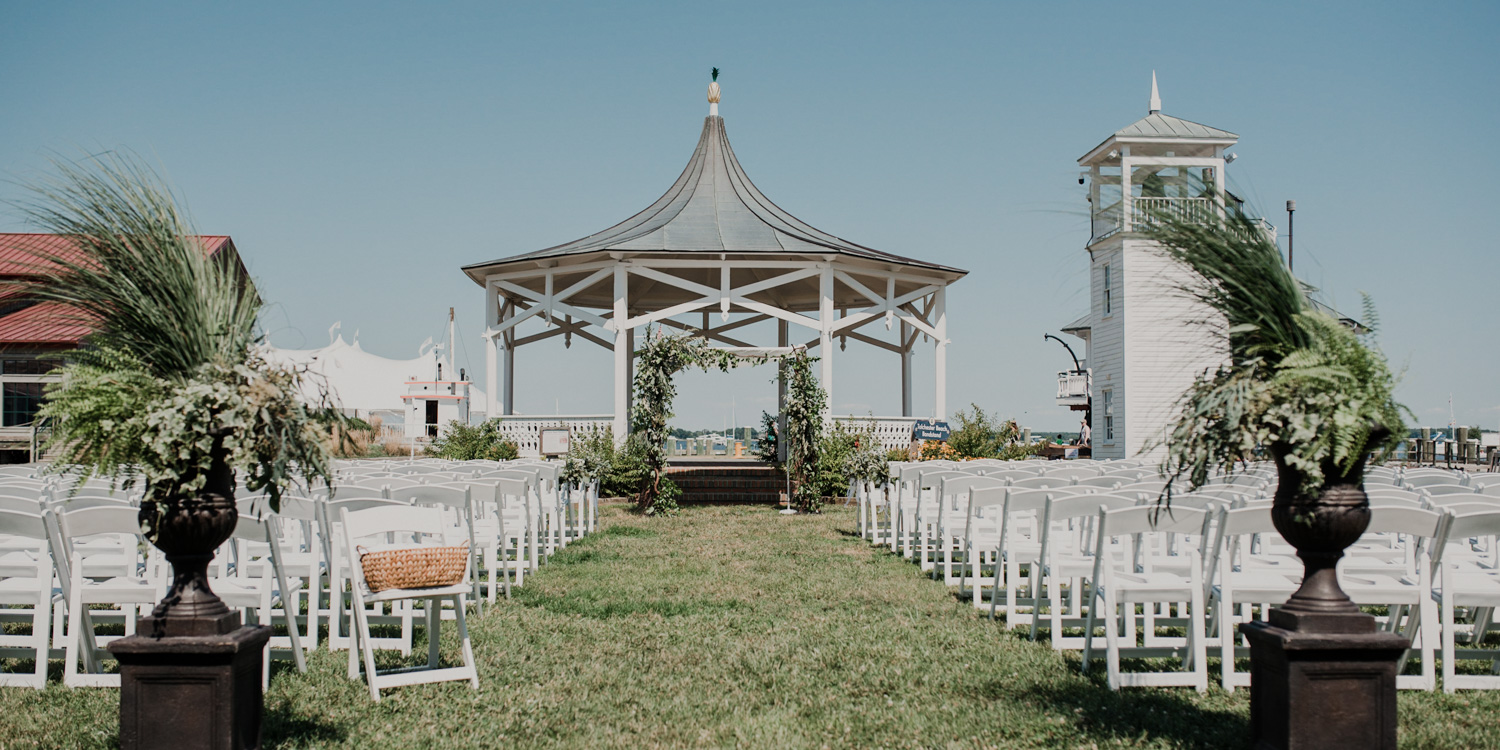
{"x":622,"y":355}
{"x":940,"y":351}
{"x":825,"y":338}
{"x":491,"y":358}
{"x":906,"y":340}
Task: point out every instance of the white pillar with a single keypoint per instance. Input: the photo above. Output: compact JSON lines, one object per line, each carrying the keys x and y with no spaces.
{"x":940,"y":351}
{"x":491,"y":359}
{"x":1127,"y":201}
{"x":1219,"y":179}
{"x":907,"y":342}
{"x":622,"y":356}
{"x":825,"y":338}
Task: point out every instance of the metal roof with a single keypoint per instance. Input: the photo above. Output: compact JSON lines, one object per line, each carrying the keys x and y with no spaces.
{"x":47,"y":324}
{"x":1084,"y":323}
{"x":1158,"y":125}
{"x":713,"y":208}
{"x":24,"y":254}
{"x":26,"y":323}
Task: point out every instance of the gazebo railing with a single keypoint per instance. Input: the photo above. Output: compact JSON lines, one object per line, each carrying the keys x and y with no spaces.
{"x":526,"y":430}
{"x":892,"y":432}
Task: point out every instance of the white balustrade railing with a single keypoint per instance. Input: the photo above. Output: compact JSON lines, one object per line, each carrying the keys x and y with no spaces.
{"x":1145,"y":212}
{"x":526,"y":430}
{"x":892,"y":432}
{"x":1072,"y":387}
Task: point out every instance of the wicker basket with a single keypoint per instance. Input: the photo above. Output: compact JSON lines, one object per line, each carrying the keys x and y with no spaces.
{"x":413,"y":567}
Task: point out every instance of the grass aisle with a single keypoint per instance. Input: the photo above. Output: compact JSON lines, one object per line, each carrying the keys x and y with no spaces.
{"x":734,"y":626}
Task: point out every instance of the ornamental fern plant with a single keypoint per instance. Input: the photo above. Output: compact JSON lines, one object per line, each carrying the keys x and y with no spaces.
{"x":1299,"y":383}
{"x":172,"y":372}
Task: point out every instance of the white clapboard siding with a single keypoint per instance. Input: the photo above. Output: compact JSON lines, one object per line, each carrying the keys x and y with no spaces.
{"x":1106,"y":351}
{"x":1168,"y":340}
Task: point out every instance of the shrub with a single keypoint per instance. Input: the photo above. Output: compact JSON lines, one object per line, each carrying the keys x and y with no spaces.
{"x":767,"y":450}
{"x":980,"y":435}
{"x":620,"y":472}
{"x":847,"y":454}
{"x":463,"y":442}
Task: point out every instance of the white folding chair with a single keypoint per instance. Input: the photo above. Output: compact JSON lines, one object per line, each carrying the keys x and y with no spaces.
{"x":1241,"y":578}
{"x":340,"y":614}
{"x":259,"y":584}
{"x":1472,"y":583}
{"x":374,"y":525}
{"x":96,"y":550}
{"x":459,"y":504}
{"x":1066,"y":560}
{"x":1399,"y":576}
{"x":26,"y":591}
{"x":1146,"y":578}
{"x":494,"y":544}
{"x":924,"y":515}
{"x":946,"y":533}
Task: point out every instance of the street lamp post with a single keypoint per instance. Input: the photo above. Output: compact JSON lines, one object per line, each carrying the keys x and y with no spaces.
{"x":1291,"y":208}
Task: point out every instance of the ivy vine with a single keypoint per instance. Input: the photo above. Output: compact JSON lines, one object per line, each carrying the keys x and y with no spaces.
{"x":804,"y":428}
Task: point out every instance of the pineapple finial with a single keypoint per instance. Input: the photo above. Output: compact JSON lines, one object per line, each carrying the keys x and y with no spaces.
{"x":713,"y":95}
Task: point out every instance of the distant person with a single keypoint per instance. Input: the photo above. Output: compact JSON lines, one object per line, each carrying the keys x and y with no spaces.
{"x":1084,"y":433}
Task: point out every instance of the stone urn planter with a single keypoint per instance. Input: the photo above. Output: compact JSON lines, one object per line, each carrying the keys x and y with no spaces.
{"x":188,"y":530}
{"x":191,"y":665}
{"x":1321,"y":676}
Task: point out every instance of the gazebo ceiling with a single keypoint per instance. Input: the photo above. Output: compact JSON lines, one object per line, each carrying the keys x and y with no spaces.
{"x":710,"y":215}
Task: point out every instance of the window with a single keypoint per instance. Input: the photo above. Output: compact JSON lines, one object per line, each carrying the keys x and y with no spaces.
{"x":1108,"y":289}
{"x":29,"y":366}
{"x":1109,"y":416}
{"x":19,"y":403}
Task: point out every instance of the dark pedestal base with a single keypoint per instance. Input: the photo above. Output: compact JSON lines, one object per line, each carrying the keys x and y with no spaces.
{"x":1322,"y":689}
{"x":199,"y":692}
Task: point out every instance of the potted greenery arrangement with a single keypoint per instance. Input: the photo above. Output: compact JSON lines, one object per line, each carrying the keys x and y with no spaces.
{"x":1299,"y":385}
{"x":170,"y":389}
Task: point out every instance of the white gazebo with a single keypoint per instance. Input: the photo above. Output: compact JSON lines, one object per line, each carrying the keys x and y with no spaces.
{"x":713,"y":247}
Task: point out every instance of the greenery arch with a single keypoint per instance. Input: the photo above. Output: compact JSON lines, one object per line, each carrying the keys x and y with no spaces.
{"x":662,"y":357}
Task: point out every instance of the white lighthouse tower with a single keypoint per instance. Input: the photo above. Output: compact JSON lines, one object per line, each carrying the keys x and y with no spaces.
{"x":1147,"y":341}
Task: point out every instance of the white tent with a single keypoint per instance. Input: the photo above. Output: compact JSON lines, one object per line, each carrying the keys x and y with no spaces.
{"x":366,"y":382}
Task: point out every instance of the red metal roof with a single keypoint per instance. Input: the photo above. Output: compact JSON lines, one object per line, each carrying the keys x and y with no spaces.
{"x":44,"y":324}
{"x":50,"y":324}
{"x":21,"y":254}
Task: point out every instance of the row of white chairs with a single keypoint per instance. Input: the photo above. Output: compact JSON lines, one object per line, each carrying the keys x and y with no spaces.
{"x":72,"y":558}
{"x":1080,"y":546}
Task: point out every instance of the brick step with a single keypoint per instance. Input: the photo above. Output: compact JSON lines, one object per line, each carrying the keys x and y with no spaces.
{"x":738,"y":482}
{"x":734,"y":497}
{"x":729,"y":485}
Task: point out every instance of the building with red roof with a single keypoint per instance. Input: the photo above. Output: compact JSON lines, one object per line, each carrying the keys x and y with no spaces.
{"x":34,"y":335}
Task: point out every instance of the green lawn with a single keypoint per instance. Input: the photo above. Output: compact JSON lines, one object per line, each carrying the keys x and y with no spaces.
{"x":734,"y":626}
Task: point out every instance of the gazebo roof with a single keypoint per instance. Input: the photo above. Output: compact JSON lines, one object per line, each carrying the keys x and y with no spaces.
{"x":712,"y":209}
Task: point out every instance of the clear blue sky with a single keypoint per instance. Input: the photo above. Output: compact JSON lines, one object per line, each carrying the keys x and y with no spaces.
{"x":360,"y":153}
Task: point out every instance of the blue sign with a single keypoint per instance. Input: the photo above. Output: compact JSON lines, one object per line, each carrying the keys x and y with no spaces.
{"x":930,"y":429}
